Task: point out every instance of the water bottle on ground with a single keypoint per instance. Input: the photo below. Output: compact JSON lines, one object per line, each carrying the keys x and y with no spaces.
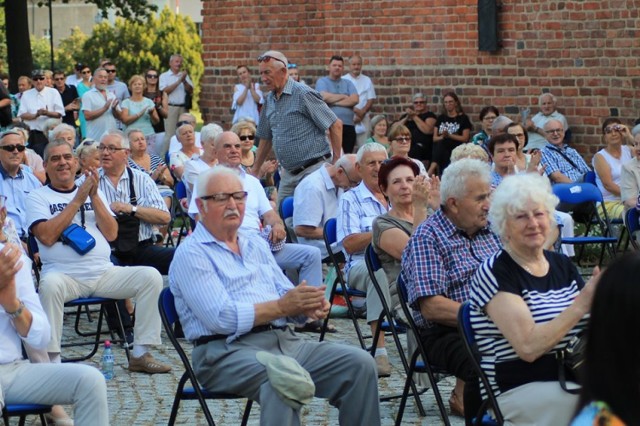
{"x":107,"y":361}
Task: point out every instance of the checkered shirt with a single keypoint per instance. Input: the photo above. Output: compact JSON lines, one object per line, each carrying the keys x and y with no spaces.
{"x":440,"y":259}
{"x":296,"y":123}
{"x":555,"y":162}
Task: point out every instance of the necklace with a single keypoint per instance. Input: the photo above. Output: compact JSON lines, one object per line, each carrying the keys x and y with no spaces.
{"x":521,"y":261}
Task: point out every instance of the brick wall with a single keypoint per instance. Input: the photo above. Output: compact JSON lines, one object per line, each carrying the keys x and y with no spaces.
{"x":585,"y":52}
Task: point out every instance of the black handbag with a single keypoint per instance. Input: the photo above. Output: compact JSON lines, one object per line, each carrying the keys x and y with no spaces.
{"x":128,"y":226}
{"x":571,"y":362}
{"x":77,"y":237}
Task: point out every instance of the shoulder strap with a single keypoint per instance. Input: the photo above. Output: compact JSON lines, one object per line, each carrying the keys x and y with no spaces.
{"x":565,"y":157}
{"x":132,"y":192}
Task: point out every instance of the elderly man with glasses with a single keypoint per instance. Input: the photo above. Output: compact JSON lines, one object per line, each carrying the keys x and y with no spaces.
{"x":294,"y":122}
{"x":562,"y":163}
{"x":38,"y":105}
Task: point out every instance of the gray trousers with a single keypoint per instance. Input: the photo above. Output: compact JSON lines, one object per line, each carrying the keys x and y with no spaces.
{"x":345,"y":375}
{"x":288,"y":182}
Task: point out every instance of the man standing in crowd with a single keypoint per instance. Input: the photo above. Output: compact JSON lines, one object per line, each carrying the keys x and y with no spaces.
{"x":100,"y":106}
{"x":341,"y":96}
{"x":177,"y":85}
{"x":366,"y":94}
{"x":37,"y":105}
{"x":294,"y":121}
{"x":69,"y":96}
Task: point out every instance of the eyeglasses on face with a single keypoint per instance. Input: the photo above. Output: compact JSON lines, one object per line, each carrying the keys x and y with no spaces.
{"x":352,"y":183}
{"x":223,"y":197}
{"x":615,"y":128}
{"x":247,"y":137}
{"x":489,"y":118}
{"x":552,"y":131}
{"x":11,"y":148}
{"x":38,"y":78}
{"x":267,"y":58}
{"x":152,"y":75}
{"x":402,"y":139}
{"x":111,"y":149}
{"x":419,"y":102}
{"x":86,"y":72}
{"x":110,"y":71}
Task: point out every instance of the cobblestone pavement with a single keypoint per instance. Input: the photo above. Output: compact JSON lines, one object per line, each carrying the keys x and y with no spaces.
{"x":141,"y":399}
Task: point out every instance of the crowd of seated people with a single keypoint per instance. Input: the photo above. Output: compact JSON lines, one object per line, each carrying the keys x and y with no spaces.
{"x":480,"y":232}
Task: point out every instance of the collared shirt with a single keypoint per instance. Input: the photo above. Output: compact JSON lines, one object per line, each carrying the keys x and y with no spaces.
{"x":177,"y":97}
{"x":147,"y":195}
{"x":315,"y":201}
{"x":341,"y":86}
{"x":40,"y":330}
{"x":296,"y":123}
{"x":554,"y":161}
{"x":366,"y":92}
{"x":94,"y":100}
{"x":356,"y":210}
{"x":440,"y":260}
{"x":16,"y":189}
{"x":32,"y":100}
{"x":216,"y":289}
{"x":256,"y":206}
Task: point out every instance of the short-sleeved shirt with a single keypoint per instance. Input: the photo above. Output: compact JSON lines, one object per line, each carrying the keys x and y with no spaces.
{"x":94,"y":100}
{"x":390,"y":264}
{"x":177,"y":96}
{"x":546,"y":297}
{"x":454,"y":125}
{"x":341,"y":86}
{"x":440,"y":260}
{"x":249,"y":108}
{"x":296,"y":123}
{"x":17,"y":189}
{"x":421,"y":143}
{"x":366,"y":92}
{"x":553,"y":161}
{"x":357,"y":209}
{"x":119,"y":89}
{"x":144,"y":122}
{"x":32,"y":100}
{"x":315,"y":202}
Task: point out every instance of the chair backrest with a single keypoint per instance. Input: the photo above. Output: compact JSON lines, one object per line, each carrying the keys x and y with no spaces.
{"x":408,"y":313}
{"x":181,"y":190}
{"x":286,"y":208}
{"x":330,"y":233}
{"x":590,"y":177}
{"x":169,"y":315}
{"x":372,"y":258}
{"x":632,"y":222}
{"x":575,"y":193}
{"x":167,"y":304}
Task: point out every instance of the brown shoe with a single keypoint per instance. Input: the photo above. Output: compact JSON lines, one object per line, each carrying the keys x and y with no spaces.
{"x":147,"y":364}
{"x":456,"y":405}
{"x":383,"y":366}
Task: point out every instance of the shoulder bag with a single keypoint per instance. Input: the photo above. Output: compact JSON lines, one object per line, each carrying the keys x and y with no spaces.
{"x":128,"y":226}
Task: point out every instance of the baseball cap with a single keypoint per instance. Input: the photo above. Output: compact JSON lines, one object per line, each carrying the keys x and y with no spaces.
{"x":288,"y":378}
{"x":37,"y":73}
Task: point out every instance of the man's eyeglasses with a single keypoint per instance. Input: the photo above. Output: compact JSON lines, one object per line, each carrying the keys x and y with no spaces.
{"x":247,"y":137}
{"x":223,"y":197}
{"x":11,"y":148}
{"x":403,"y":139}
{"x":152,"y":75}
{"x":552,"y":131}
{"x":352,"y":183}
{"x":111,"y":149}
{"x":38,"y":78}
{"x":110,"y":71}
{"x":267,"y":58}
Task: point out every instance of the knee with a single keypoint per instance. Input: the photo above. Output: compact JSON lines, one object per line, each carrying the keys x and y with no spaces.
{"x":51,"y":288}
{"x":363,"y":363}
{"x":90,"y":382}
{"x":152,"y":277}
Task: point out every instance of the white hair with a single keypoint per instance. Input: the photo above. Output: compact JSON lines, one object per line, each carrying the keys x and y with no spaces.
{"x":370,"y":147}
{"x":210,"y":174}
{"x":347,"y":161}
{"x":209,"y":132}
{"x":456,"y":177}
{"x":542,"y":96}
{"x":61,"y":128}
{"x":514,"y":193}
{"x":124,"y":141}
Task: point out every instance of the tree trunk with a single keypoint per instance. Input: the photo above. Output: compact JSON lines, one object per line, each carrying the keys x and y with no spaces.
{"x":18,"y":42}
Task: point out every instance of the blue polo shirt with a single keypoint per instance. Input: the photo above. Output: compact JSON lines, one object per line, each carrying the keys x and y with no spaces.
{"x":16,"y":189}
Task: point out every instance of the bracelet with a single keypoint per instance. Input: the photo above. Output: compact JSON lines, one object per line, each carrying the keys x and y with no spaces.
{"x":18,"y":312}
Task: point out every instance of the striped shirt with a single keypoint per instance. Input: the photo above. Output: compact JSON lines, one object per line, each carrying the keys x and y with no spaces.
{"x":296,"y":124}
{"x":155,"y":163}
{"x":440,"y":259}
{"x":554,"y":161}
{"x":215,"y":289}
{"x":546,"y":298}
{"x":147,"y":195}
{"x":357,"y":208}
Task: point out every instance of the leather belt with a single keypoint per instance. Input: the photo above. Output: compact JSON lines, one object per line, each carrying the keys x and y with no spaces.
{"x":309,"y":164}
{"x":203,"y":340}
{"x":177,"y":105}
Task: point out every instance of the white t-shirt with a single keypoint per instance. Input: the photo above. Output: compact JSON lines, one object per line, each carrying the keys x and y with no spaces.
{"x":46,"y":203}
{"x":91,"y":101}
{"x":366,"y":91}
{"x":249,"y":108}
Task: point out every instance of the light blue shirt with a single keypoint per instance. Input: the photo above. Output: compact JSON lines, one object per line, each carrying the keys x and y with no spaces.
{"x":216,"y":289}
{"x":16,"y":189}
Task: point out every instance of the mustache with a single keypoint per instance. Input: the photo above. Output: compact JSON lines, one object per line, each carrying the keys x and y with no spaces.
{"x":231,"y":212}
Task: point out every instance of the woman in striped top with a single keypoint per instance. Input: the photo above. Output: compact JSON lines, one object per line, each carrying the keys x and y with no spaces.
{"x":526,"y":304}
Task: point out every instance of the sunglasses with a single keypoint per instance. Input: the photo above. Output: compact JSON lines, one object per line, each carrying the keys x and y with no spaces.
{"x":419,"y":102}
{"x":403,"y":139}
{"x":292,"y":66}
{"x":223,"y":197}
{"x":152,"y":75}
{"x":615,"y":128}
{"x":267,"y":58}
{"x":110,"y":71}
{"x":88,"y":142}
{"x":182,"y":123}
{"x":86,"y":72}
{"x":11,"y":148}
{"x":248,"y":137}
{"x":38,"y":78}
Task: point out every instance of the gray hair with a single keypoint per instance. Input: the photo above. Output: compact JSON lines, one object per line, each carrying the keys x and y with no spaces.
{"x":124,"y":141}
{"x":346,"y":161}
{"x":514,"y":194}
{"x":211,"y":174}
{"x":375,"y":120}
{"x":456,"y":177}
{"x":499,"y":124}
{"x":543,"y":95}
{"x":87,"y":147}
{"x":54,"y":144}
{"x":61,"y":128}
{"x":418,"y":95}
{"x":52,"y":123}
{"x":278,"y":55}
{"x":635,"y":130}
{"x":181,"y":126}
{"x":209,"y":132}
{"x":131,"y":131}
{"x":469,"y":150}
{"x":97,"y":70}
{"x":370,"y":147}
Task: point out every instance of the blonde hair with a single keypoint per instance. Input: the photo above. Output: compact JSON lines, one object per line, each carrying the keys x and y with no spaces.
{"x":137,"y":77}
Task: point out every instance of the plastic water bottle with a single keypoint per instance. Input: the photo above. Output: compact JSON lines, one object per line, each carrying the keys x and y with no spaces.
{"x":107,"y":361}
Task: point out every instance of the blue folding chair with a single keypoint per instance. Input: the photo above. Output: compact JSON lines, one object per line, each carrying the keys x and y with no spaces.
{"x":416,"y":366}
{"x":469,"y":339}
{"x":577,"y":193}
{"x":286,"y":211}
{"x":24,"y":410}
{"x":169,"y":316}
{"x":632,"y":223}
{"x":339,"y":286}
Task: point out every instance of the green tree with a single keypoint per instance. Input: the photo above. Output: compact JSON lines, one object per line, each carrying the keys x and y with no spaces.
{"x":41,"y":51}
{"x":69,"y":50}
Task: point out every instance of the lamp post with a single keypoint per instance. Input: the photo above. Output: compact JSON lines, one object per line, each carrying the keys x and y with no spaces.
{"x":51,"y":34}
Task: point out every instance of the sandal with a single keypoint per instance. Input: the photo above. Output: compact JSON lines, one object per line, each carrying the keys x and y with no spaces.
{"x":456,"y":405}
{"x":315,"y":327}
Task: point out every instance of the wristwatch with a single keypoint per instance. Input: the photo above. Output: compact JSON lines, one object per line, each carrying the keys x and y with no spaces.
{"x":134,"y":209}
{"x":16,"y":314}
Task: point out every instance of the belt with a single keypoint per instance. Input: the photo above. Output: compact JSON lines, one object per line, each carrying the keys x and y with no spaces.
{"x":177,"y":105}
{"x":309,"y":164}
{"x":203,"y":340}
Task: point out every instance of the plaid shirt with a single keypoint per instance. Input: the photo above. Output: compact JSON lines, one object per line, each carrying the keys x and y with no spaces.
{"x":555,"y":162}
{"x":296,"y":123}
{"x":440,"y":259}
